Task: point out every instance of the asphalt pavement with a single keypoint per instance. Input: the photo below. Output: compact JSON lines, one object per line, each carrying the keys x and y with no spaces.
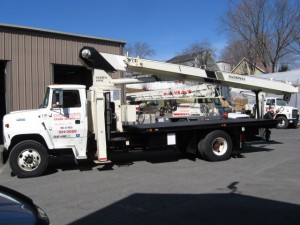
{"x":1,"y":158}
{"x":260,"y":187}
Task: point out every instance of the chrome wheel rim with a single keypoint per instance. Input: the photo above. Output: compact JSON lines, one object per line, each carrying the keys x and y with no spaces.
{"x":281,"y":123}
{"x":29,"y":159}
{"x":219,"y":146}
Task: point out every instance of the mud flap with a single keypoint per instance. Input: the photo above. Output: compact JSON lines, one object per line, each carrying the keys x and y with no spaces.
{"x":192,"y":144}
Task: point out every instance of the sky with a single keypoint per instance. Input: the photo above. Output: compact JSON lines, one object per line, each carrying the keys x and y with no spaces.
{"x":168,"y":26}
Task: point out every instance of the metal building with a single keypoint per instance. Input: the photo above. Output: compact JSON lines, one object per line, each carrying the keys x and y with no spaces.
{"x":31,"y":59}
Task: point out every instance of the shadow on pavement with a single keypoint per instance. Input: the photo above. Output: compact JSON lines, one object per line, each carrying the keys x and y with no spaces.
{"x":125,"y":159}
{"x":194,"y":209}
{"x":119,"y":159}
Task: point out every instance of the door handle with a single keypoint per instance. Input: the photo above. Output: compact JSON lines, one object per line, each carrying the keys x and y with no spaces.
{"x":77,"y":121}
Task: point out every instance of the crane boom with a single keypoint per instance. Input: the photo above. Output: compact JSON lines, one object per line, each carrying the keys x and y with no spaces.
{"x":168,"y":71}
{"x":197,"y":91}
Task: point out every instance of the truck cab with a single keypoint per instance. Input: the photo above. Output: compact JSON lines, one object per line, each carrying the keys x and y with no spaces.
{"x":278,"y":109}
{"x":59,"y":123}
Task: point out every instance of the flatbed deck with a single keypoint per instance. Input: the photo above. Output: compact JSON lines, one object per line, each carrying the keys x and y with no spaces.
{"x":203,"y":124}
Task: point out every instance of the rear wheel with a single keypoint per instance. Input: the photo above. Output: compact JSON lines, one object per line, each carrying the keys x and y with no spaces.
{"x":29,"y":159}
{"x":216,"y":146}
{"x":282,"y":122}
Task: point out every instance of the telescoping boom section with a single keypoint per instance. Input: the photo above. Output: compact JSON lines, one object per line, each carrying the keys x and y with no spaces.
{"x":168,"y":71}
{"x":197,"y":91}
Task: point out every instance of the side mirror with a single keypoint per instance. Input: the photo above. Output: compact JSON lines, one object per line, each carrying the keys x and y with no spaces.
{"x":287,"y":97}
{"x":57,"y":98}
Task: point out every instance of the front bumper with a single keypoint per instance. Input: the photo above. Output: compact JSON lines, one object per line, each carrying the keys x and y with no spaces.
{"x":294,"y":122}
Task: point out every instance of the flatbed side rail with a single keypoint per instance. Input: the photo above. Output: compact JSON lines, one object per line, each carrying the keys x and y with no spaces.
{"x":207,"y":124}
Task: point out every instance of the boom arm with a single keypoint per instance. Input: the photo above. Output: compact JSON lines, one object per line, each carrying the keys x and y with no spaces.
{"x":168,"y":71}
{"x":198,"y":91}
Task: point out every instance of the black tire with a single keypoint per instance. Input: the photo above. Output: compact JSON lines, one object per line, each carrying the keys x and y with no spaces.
{"x":200,"y":149}
{"x":216,"y":146}
{"x":29,"y":159}
{"x":282,"y":122}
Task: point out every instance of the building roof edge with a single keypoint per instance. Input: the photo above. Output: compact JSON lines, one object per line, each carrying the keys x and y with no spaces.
{"x":59,"y":32}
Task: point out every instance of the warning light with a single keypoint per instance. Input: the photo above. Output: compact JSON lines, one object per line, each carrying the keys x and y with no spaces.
{"x":225,"y":115}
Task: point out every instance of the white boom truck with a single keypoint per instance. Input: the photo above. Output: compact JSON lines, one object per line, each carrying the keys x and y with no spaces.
{"x":278,"y":109}
{"x":163,"y":104}
{"x":71,"y":118}
{"x":187,"y":103}
{"x":285,"y":115}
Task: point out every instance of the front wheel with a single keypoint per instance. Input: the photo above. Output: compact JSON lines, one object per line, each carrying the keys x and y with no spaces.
{"x":29,"y":159}
{"x":282,"y":122}
{"x":216,"y":146}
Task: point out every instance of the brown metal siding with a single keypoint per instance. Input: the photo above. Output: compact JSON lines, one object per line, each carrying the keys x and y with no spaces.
{"x":5,"y":45}
{"x":32,"y":55}
{"x":2,"y":44}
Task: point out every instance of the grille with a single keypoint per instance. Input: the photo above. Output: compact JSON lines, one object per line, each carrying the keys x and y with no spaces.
{"x":295,"y":113}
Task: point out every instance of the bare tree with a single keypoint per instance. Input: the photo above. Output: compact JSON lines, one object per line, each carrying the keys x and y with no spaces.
{"x":236,"y":50}
{"x":267,"y":26}
{"x":139,"y":49}
{"x":296,"y":35}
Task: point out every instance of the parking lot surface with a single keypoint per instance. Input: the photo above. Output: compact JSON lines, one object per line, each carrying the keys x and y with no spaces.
{"x":261,"y":187}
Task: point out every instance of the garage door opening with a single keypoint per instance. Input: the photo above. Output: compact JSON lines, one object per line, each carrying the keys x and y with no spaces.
{"x":2,"y":97}
{"x":64,"y":74}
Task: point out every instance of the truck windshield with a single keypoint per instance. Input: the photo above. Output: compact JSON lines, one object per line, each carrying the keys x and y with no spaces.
{"x":46,"y":99}
{"x":280,"y":102}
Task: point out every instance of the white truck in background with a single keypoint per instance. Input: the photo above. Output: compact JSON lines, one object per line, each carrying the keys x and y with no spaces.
{"x":95,"y":122}
{"x":285,"y":115}
{"x":277,"y":108}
